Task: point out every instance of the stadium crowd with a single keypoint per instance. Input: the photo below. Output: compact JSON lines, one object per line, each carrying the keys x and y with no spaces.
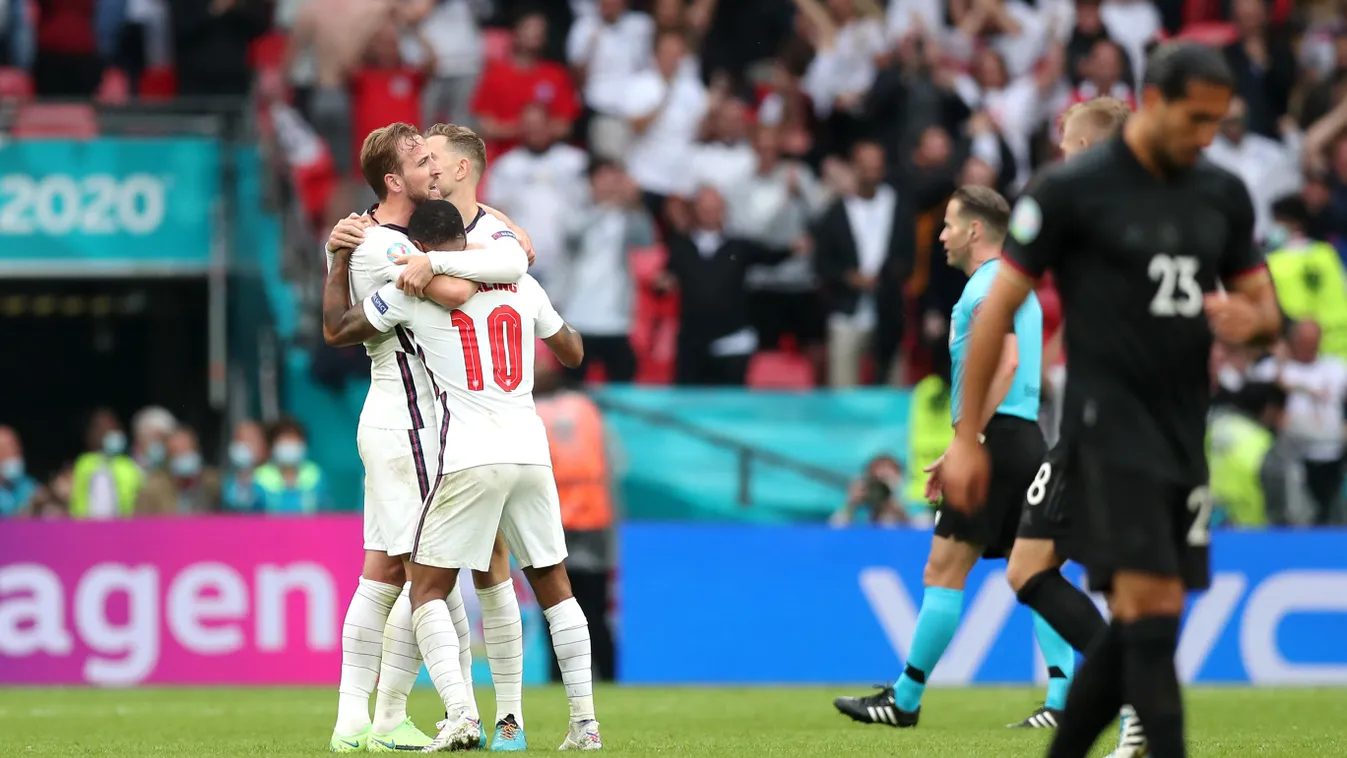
{"x":751,"y":191}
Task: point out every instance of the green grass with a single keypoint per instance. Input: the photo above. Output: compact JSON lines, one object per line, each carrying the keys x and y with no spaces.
{"x":1301,"y":723}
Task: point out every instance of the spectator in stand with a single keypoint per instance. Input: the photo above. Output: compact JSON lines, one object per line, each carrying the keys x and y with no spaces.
{"x":1134,"y":24}
{"x":455,"y":41}
{"x":290,"y":482}
{"x":863,"y":252}
{"x":787,"y":108}
{"x":1264,"y":66}
{"x":53,"y":500}
{"x":211,"y":39}
{"x":906,"y":17}
{"x":1326,"y":158}
{"x":773,"y":207}
{"x":17,"y":489}
{"x":595,"y":292}
{"x":537,"y":184}
{"x":388,"y":87}
{"x":150,"y":427}
{"x":847,"y":42}
{"x":509,"y":86}
{"x":1088,"y":32}
{"x":708,"y":267}
{"x":1316,"y":387}
{"x":1310,"y":278}
{"x":725,"y":158}
{"x":874,"y":497}
{"x":239,"y":490}
{"x":68,"y":63}
{"x":607,"y":50}
{"x":1013,"y":104}
{"x":105,"y":480}
{"x":1015,"y":31}
{"x":1269,"y":167}
{"x":664,"y":109}
{"x":185,"y":486}
{"x":1105,"y":75}
{"x":1246,"y":490}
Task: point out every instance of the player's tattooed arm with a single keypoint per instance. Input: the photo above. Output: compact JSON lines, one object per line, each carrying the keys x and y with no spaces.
{"x":567,"y":346}
{"x":343,"y":324}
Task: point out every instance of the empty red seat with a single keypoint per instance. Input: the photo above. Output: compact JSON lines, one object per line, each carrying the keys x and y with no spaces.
{"x":66,"y":120}
{"x":159,"y":83}
{"x":267,"y":51}
{"x":647,"y":263}
{"x":777,"y":370}
{"x":15,"y":84}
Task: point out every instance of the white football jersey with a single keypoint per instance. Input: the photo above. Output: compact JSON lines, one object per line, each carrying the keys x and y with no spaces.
{"x":481,"y":357}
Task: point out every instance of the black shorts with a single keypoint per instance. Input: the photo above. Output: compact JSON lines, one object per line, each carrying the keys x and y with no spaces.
{"x":1112,"y":519}
{"x":1016,"y":448}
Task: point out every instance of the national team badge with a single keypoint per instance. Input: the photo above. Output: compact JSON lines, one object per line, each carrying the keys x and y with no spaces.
{"x":397,"y":251}
{"x":1026,"y":220}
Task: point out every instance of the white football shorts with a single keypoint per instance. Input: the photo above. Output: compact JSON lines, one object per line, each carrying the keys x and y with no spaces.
{"x":459,"y":527}
{"x":400,"y":470}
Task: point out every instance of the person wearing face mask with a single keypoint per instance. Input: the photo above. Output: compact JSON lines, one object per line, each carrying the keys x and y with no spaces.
{"x":149,"y":428}
{"x":106,"y":480}
{"x":184,"y":485}
{"x":17,"y":489}
{"x":290,"y":482}
{"x":240,"y":492}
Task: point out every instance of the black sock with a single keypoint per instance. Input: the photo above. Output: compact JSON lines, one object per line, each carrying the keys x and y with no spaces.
{"x":1066,"y":609}
{"x":1094,"y":699}
{"x":1151,"y":682}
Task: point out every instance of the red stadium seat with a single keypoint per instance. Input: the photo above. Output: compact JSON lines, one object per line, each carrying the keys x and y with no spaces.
{"x":15,"y":84}
{"x":780,"y":371}
{"x":159,"y":83}
{"x":114,"y":89}
{"x":496,"y":44}
{"x":1214,"y":33}
{"x":267,"y":51}
{"x":69,"y":121}
{"x":647,"y":263}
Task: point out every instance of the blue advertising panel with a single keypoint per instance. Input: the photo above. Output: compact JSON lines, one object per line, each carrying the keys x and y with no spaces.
{"x":793,"y":604}
{"x":109,"y":206}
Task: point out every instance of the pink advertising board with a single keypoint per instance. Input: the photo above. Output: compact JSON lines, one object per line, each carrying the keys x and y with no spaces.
{"x":225,"y":600}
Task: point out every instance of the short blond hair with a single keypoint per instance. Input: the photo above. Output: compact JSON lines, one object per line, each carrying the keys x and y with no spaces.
{"x":1106,"y":115}
{"x":381,"y":154}
{"x":465,"y":142}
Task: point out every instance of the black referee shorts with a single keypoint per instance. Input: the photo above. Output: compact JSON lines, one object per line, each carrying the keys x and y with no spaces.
{"x":1016,"y":448}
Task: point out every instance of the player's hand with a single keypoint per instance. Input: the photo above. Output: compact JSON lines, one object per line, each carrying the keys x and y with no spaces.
{"x":416,"y":276}
{"x":935,"y":486}
{"x":1233,"y":317}
{"x":965,"y":472}
{"x":348,"y":233}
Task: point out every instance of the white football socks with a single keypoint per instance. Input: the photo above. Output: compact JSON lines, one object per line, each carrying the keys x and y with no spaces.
{"x":459,"y":614}
{"x":570,"y":643}
{"x":504,"y":634}
{"x":397,"y":672}
{"x":362,"y":635}
{"x":439,"y":646}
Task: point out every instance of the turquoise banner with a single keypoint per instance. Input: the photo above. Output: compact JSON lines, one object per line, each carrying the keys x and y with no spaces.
{"x":108,"y":207}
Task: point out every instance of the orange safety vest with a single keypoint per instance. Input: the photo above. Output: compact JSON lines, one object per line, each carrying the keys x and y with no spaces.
{"x":579,"y":460}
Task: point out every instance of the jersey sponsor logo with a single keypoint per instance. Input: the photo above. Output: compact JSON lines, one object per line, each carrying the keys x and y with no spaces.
{"x":379,"y":304}
{"x":504,"y":233}
{"x":1026,"y":220}
{"x":398,"y":250}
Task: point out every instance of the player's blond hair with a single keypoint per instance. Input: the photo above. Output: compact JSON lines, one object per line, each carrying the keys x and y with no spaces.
{"x":463,"y":141}
{"x":1105,"y":115}
{"x":381,"y":154}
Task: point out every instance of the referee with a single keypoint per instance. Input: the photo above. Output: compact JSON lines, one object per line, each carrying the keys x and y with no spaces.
{"x":1140,"y":233}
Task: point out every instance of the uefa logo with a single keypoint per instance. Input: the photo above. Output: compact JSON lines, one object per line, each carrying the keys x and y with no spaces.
{"x":397,"y":251}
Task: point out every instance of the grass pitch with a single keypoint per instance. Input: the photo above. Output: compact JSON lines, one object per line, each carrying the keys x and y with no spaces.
{"x":1301,"y":723}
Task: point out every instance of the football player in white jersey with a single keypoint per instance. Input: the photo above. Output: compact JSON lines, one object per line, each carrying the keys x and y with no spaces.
{"x":461,"y":157}
{"x":399,"y":442}
{"x":480,"y":357}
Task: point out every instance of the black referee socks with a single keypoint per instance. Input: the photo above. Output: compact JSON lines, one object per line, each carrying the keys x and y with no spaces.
{"x":1066,"y":609}
{"x":1151,"y":682}
{"x":1095,"y":696}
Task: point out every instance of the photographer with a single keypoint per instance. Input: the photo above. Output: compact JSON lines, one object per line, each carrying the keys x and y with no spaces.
{"x":875,"y":493}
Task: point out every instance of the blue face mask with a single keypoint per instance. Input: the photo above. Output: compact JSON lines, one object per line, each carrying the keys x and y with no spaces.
{"x":1277,"y":236}
{"x":185,"y":465}
{"x":11,"y":469}
{"x":288,"y":453}
{"x":114,"y":443}
{"x":155,"y":454}
{"x":240,"y":455}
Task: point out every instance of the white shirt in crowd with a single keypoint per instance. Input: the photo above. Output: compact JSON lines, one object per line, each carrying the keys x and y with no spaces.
{"x":597,"y":294}
{"x":398,"y":383}
{"x":1270,"y":170}
{"x":848,"y":67}
{"x":1017,"y":110}
{"x":908,"y":15}
{"x":540,"y":192}
{"x":761,"y":208}
{"x":1132,"y":24}
{"x":481,"y":356}
{"x":611,"y":54}
{"x":1314,"y":403}
{"x":722,"y":165}
{"x":453,"y":34}
{"x":871,"y":222}
{"x":658,"y":159}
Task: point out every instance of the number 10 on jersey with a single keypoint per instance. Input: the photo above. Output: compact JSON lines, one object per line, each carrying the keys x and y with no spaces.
{"x":505,"y":340}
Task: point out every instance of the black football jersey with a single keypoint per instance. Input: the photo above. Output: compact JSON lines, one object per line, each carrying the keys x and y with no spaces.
{"x":1133,"y":256}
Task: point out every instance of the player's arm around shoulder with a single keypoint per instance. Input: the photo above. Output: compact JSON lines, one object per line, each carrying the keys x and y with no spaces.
{"x":502,"y":260}
{"x":561,"y":338}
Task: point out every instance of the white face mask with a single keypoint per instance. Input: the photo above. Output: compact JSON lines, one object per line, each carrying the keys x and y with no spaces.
{"x":114,"y":443}
{"x":288,"y":453}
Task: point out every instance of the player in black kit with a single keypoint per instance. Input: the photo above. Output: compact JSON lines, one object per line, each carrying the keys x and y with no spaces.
{"x":1141,"y":234}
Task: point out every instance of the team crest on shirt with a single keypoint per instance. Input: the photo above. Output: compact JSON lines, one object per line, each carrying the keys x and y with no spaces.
{"x":397,"y":251}
{"x":1026,"y":220}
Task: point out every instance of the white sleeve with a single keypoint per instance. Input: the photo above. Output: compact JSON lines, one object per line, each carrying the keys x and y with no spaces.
{"x":372,"y":262}
{"x":577,"y":42}
{"x":1264,"y":370}
{"x":644,"y":94}
{"x":546,"y":321}
{"x":328,"y":253}
{"x":388,"y":307}
{"x":502,"y":262}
